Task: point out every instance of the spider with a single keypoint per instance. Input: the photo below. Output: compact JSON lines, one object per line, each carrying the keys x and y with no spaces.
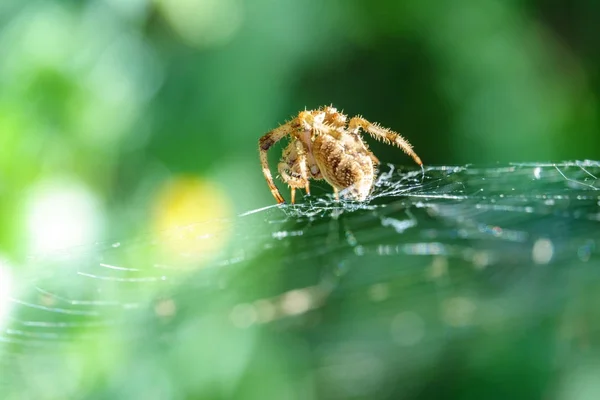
{"x":325,"y":145}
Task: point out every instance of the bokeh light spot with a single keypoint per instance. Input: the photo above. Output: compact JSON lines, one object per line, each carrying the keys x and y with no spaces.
{"x":265,"y":310}
{"x":379,"y":292}
{"x":165,"y":308}
{"x":296,"y":302}
{"x":193,"y":212}
{"x":408,"y":328}
{"x":458,"y":311}
{"x":203,"y":23}
{"x":5,"y":292}
{"x":542,"y":251}
{"x":62,"y":214}
{"x":243,"y":315}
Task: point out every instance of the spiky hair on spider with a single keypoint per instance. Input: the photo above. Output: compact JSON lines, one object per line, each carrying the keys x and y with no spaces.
{"x":325,"y":144}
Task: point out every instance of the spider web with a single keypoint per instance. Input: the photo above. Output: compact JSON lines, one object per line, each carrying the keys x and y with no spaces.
{"x":437,"y":278}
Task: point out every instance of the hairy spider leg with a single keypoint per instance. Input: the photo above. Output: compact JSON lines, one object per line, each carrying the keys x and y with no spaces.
{"x":264,"y":144}
{"x":385,"y":135}
{"x":293,"y":167}
{"x":294,"y":182}
{"x":334,"y":118}
{"x":287,"y":175}
{"x":302,"y":160}
{"x":334,"y":131}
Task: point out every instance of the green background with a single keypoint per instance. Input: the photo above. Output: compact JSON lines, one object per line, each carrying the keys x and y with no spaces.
{"x":127,"y":119}
{"x":120,"y":96}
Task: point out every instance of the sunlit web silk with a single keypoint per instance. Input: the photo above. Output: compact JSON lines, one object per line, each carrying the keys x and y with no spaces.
{"x":486,"y":250}
{"x":476,"y":213}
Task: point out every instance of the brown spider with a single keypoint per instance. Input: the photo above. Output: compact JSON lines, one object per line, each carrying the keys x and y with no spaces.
{"x":324,"y":145}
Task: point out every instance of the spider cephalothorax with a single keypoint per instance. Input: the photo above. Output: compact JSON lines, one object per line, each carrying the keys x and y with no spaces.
{"x":325,"y":145}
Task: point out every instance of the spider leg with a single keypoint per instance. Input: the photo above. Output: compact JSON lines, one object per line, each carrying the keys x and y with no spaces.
{"x":385,"y":135}
{"x":264,"y":144}
{"x":336,"y":194}
{"x":293,"y":167}
{"x":335,"y":118}
{"x":302,"y":160}
{"x":290,"y":176}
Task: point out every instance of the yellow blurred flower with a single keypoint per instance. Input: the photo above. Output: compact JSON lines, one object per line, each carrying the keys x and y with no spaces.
{"x":192,"y":216}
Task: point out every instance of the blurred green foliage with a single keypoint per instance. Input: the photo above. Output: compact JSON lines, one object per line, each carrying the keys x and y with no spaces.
{"x":119,"y":118}
{"x":119,"y":96}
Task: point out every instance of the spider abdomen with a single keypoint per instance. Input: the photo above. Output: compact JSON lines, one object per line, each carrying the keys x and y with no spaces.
{"x":350,"y":169}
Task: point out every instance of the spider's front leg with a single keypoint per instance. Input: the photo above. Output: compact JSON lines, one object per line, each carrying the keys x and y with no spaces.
{"x":264,"y":144}
{"x":383,"y":134}
{"x":293,"y":168}
{"x":302,"y":162}
{"x":289,"y":176}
